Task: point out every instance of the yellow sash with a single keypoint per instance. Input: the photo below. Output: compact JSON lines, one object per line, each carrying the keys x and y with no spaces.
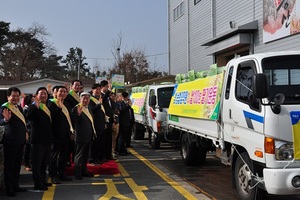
{"x":16,"y":111}
{"x":88,"y":114}
{"x":44,"y":108}
{"x":66,"y":113}
{"x":74,"y":95}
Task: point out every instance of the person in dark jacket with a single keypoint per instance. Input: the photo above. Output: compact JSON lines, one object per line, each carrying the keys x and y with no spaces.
{"x":13,"y":120}
{"x":98,"y":145}
{"x":62,"y":131}
{"x":124,"y":121}
{"x":40,"y":137}
{"x":83,"y":121}
{"x":109,"y":111}
{"x":72,"y":99}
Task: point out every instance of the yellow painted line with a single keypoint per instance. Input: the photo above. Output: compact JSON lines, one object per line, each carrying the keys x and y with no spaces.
{"x":112,"y":191}
{"x":122,"y":170}
{"x":170,"y":181}
{"x":49,"y":194}
{"x":137,"y":190}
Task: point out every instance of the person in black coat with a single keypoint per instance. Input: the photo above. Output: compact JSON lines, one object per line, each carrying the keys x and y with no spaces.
{"x":40,"y":137}
{"x":124,"y":121}
{"x":98,"y":145}
{"x":83,"y":122}
{"x":62,"y":131}
{"x":109,"y":111}
{"x":72,"y":99}
{"x":13,"y":120}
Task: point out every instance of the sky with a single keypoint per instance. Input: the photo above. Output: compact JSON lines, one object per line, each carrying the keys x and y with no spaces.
{"x":94,"y":25}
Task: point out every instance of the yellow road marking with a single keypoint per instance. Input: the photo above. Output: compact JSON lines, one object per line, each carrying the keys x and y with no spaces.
{"x":49,"y":194}
{"x":170,"y":181}
{"x":112,"y":191}
{"x":137,"y":190}
{"x":122,"y":170}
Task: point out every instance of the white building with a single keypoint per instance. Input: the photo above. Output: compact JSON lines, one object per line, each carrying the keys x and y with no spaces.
{"x":203,"y":32}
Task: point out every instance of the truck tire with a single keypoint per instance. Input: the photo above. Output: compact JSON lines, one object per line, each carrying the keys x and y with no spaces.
{"x":188,"y":150}
{"x":201,"y":155}
{"x":138,"y":131}
{"x":243,"y":179}
{"x":153,"y":141}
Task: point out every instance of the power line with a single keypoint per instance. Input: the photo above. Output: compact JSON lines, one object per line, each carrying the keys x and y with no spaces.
{"x":158,"y":54}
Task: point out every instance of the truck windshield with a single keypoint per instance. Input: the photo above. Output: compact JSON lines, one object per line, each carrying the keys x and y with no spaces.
{"x":283,"y":73}
{"x":164,"y":96}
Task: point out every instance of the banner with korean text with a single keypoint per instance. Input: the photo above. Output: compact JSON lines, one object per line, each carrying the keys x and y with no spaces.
{"x":138,"y":102}
{"x":295,"y":118}
{"x":197,"y":99}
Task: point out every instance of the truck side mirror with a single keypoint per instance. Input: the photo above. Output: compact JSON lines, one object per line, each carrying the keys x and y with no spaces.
{"x":152,"y":101}
{"x":260,"y":86}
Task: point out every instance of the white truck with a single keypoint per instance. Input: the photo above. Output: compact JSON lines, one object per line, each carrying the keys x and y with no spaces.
{"x":249,"y":115}
{"x":150,"y":105}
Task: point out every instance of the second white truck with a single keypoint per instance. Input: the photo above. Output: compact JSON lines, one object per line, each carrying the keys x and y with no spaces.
{"x":150,"y":105}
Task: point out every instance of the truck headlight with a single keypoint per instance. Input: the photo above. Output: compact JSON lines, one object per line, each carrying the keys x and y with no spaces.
{"x":284,"y":150}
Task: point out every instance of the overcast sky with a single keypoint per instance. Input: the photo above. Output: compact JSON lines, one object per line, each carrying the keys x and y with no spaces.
{"x":93,"y":25}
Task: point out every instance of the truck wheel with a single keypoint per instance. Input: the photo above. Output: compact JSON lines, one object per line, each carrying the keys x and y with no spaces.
{"x":138,"y":132}
{"x":201,"y":155}
{"x":243,"y":179}
{"x":154,"y":142}
{"x":188,"y":150}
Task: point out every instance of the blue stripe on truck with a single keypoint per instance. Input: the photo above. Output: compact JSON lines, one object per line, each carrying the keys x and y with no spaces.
{"x":253,"y":116}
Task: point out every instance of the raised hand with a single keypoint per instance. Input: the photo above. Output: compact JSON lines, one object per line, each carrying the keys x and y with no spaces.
{"x":6,"y":114}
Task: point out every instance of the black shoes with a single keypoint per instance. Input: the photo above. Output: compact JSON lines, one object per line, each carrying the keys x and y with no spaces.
{"x":47,"y":184}
{"x":41,"y":187}
{"x":11,"y":193}
{"x":54,"y":180}
{"x":87,"y":174}
{"x":64,"y":178}
{"x":19,"y":189}
{"x":78,"y":177}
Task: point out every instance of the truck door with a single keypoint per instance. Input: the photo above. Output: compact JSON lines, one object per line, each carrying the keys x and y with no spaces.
{"x":243,"y":115}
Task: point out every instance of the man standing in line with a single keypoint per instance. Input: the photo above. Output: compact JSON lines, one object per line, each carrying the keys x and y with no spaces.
{"x":71,"y":101}
{"x":62,"y":130}
{"x":124,"y":116}
{"x":40,"y":138}
{"x":83,"y":121}
{"x":98,"y":145}
{"x":13,"y":120}
{"x":109,"y":111}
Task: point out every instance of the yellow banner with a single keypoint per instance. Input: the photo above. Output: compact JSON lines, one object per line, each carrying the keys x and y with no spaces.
{"x":295,"y":116}
{"x":138,"y":102}
{"x":197,"y":99}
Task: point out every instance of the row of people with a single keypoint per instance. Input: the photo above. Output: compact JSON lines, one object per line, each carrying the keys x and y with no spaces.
{"x":86,"y":118}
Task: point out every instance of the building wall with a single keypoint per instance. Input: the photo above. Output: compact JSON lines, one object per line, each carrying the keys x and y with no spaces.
{"x":209,"y":19}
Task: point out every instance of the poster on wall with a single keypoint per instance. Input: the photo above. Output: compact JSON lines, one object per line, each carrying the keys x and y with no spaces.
{"x":281,"y":19}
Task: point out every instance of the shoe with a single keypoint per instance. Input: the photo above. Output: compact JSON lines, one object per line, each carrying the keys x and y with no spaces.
{"x":129,"y":146}
{"x":19,"y":189}
{"x":47,"y":184}
{"x":78,"y":177}
{"x":123,"y":154}
{"x":41,"y":187}
{"x":11,"y":193}
{"x":65,"y":178}
{"x":54,"y":180}
{"x":87,"y":174}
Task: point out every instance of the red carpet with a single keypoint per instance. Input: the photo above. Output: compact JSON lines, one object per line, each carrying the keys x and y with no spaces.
{"x":110,"y":167}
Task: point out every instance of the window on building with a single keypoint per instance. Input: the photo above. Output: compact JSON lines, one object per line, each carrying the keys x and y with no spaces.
{"x":178,"y":11}
{"x":196,"y":1}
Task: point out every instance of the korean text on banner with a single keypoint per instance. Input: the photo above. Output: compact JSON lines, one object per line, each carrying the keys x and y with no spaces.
{"x":295,"y":117}
{"x":197,"y":99}
{"x":138,"y":102}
